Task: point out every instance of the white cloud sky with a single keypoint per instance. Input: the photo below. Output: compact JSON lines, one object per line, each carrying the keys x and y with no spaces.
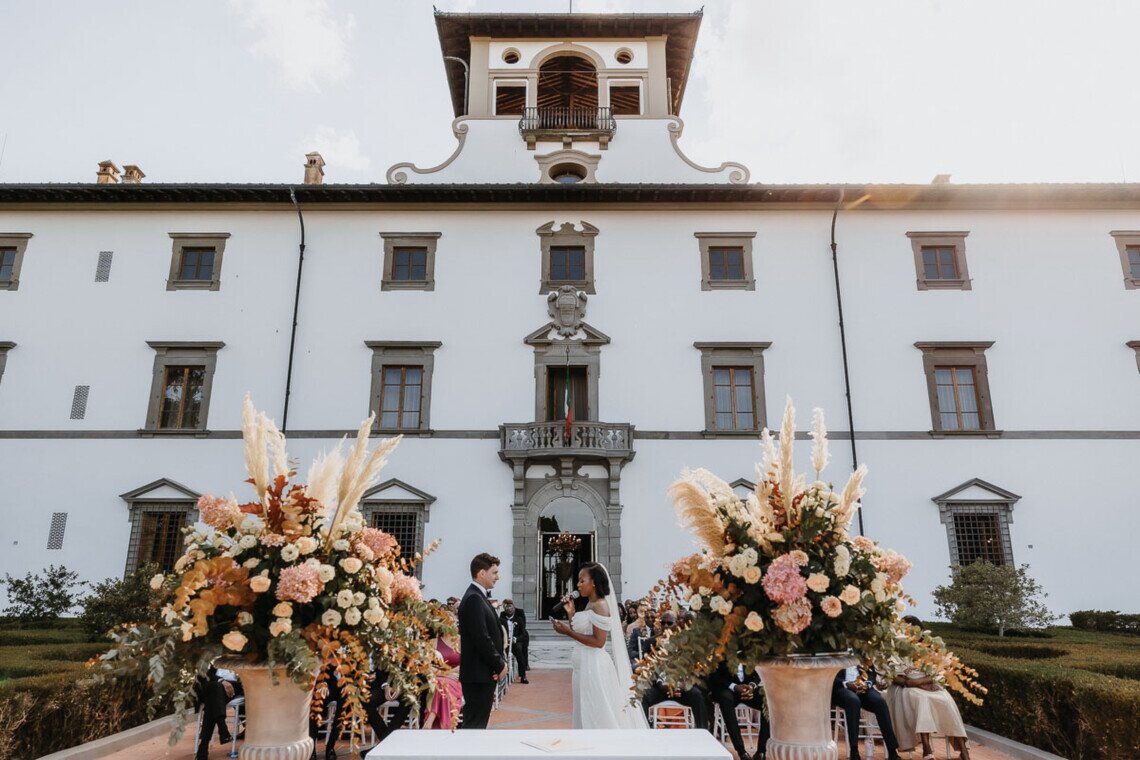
{"x":305,"y":39}
{"x":799,"y":90}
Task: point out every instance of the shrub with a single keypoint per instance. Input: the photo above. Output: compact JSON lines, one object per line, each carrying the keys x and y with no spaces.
{"x":118,"y":600}
{"x":36,"y":599}
{"x":984,"y":595}
{"x":1108,"y":621}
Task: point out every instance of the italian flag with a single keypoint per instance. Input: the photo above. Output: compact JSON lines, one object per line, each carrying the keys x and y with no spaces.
{"x":569,"y":408}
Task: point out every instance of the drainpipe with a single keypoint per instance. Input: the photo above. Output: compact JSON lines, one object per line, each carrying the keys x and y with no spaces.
{"x":296,"y":306}
{"x":843,"y":335}
{"x":466,"y":79}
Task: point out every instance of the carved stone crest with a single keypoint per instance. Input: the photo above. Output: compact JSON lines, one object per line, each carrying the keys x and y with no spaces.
{"x":567,"y":309}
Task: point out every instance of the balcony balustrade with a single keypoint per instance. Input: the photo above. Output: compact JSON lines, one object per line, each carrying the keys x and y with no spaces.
{"x":534,"y":440}
{"x":561,"y":122}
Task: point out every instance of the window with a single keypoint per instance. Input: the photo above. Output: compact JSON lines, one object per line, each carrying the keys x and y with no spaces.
{"x":551,"y":356}
{"x":567,"y":167}
{"x":958,"y":387}
{"x":196,"y":263}
{"x":510,"y":99}
{"x":180,"y":390}
{"x":567,"y":264}
{"x":726,"y":260}
{"x":57,"y":530}
{"x":400,"y":509}
{"x":1128,"y":246}
{"x":12,"y":245}
{"x":567,"y":256}
{"x":556,"y":393}
{"x":401,"y":383}
{"x":625,"y":99}
{"x":733,"y":387}
{"x":409,"y":260}
{"x":977,"y":516}
{"x":940,"y":260}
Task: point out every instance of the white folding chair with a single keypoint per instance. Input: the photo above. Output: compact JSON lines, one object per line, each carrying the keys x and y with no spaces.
{"x":386,"y":709}
{"x":237,"y":704}
{"x":671,"y":714}
{"x":748,"y":718}
{"x":869,"y":730}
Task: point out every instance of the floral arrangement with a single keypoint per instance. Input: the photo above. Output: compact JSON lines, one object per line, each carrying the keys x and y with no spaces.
{"x":294,"y":579}
{"x":778,"y":573}
{"x":916,"y":648}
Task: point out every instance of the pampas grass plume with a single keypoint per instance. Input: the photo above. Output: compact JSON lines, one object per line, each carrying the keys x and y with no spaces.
{"x":696,"y":512}
{"x":787,"y":463}
{"x":819,"y":453}
{"x":253,"y":436}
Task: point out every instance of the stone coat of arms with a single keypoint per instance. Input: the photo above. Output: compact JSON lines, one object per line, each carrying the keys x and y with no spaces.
{"x":567,"y":309}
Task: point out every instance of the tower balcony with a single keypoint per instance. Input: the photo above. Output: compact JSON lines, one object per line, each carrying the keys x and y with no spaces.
{"x":548,"y":440}
{"x":566,"y":124}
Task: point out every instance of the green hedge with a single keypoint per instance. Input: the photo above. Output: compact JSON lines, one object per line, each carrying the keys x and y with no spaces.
{"x":1067,"y":699}
{"x":43,"y":708}
{"x":1109,"y":621}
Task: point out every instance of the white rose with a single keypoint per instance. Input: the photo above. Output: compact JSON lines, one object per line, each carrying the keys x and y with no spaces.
{"x":247,"y":541}
{"x":696,"y":601}
{"x":754,"y":622}
{"x":373,"y":602}
{"x":280,"y":627}
{"x":358,"y":598}
{"x":344,"y":598}
{"x":341,"y":545}
{"x":352,"y":616}
{"x":156,"y":581}
{"x":244,"y":618}
{"x":842,"y":563}
{"x":289,"y":552}
{"x":374,"y":615}
{"x":307,"y":544}
{"x":725,"y":608}
{"x":704,"y":590}
{"x":314,"y":563}
{"x":234,"y":641}
{"x":283,"y":610}
{"x":716,"y":603}
{"x":331,"y":618}
{"x":259,"y":584}
{"x":752,"y":575}
{"x":878,"y":587}
{"x":326,"y":573}
{"x":351,"y":565}
{"x":750,"y":556}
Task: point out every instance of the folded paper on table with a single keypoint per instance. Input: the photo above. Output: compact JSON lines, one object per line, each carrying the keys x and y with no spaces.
{"x":560,"y":744}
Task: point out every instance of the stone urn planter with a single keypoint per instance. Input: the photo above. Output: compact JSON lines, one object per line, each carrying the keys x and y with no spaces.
{"x":276,"y":714}
{"x":798,"y":691}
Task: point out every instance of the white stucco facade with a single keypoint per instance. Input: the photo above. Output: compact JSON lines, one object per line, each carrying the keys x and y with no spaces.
{"x":1046,"y":289}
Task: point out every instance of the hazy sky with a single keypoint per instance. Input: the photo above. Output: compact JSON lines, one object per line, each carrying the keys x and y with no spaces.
{"x":798,"y":90}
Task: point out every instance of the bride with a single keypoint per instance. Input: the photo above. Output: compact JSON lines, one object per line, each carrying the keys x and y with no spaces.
{"x":602,"y":680}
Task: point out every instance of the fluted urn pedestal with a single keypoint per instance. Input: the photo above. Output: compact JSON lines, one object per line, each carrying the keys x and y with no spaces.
{"x":798,"y":691}
{"x":276,"y":715}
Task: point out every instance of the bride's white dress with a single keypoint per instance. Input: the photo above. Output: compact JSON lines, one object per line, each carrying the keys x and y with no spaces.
{"x":600,"y":700}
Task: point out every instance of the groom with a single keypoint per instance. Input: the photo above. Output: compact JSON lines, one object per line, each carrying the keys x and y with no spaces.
{"x":481,"y":662}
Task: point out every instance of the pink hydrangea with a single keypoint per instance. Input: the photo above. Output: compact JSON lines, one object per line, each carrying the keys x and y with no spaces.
{"x":793,"y":617}
{"x":783,"y":583}
{"x":217,"y":512}
{"x":378,"y":541}
{"x":405,"y":587}
{"x":299,"y":583}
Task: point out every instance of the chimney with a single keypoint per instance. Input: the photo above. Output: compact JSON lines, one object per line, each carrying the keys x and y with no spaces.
{"x":108,"y":173}
{"x":940,"y":179}
{"x":314,"y":169}
{"x":132,"y":175}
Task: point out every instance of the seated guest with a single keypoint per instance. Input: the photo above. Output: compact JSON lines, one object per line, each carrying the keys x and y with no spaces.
{"x":641,"y":631}
{"x":641,"y":620}
{"x":442,"y":710}
{"x":740,"y":688}
{"x":214,"y":693}
{"x":317,"y":723}
{"x":854,"y":690}
{"x":378,"y":695}
{"x":694,"y":697}
{"x":920,"y":707}
{"x":520,"y":644}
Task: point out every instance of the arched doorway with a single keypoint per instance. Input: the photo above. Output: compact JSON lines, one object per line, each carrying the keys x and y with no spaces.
{"x":567,"y":93}
{"x":567,"y":539}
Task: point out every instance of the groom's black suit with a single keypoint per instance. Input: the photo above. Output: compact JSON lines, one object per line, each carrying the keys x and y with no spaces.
{"x":480,"y":655}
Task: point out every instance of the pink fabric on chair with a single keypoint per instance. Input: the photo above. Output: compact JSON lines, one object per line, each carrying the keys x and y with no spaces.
{"x":446,"y":703}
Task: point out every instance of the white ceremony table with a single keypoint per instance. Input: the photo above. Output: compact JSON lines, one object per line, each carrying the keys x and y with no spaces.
{"x":583,"y":744}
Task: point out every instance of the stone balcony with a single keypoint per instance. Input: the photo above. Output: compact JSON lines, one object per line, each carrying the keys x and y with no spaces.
{"x":538,"y":440}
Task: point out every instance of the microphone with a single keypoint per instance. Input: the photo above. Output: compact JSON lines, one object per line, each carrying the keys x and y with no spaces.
{"x":570,"y":597}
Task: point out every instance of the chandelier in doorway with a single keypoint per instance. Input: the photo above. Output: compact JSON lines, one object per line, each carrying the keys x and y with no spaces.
{"x":564,"y":542}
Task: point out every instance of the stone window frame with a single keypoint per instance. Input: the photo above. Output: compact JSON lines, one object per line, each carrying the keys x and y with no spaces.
{"x":5,"y":347}
{"x":184,"y":240}
{"x":374,"y":502}
{"x":567,"y":235}
{"x":708,"y":240}
{"x":959,"y":354}
{"x":1123,"y":238}
{"x":405,"y":353}
{"x":19,"y":241}
{"x":1133,"y":344}
{"x":734,"y":354}
{"x":1000,"y":504}
{"x":175,"y":352}
{"x":957,"y":239}
{"x":587,"y":162}
{"x":139,"y":503}
{"x":394,"y":240}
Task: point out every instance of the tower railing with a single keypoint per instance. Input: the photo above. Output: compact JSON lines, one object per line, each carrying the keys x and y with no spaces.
{"x":558,"y":121}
